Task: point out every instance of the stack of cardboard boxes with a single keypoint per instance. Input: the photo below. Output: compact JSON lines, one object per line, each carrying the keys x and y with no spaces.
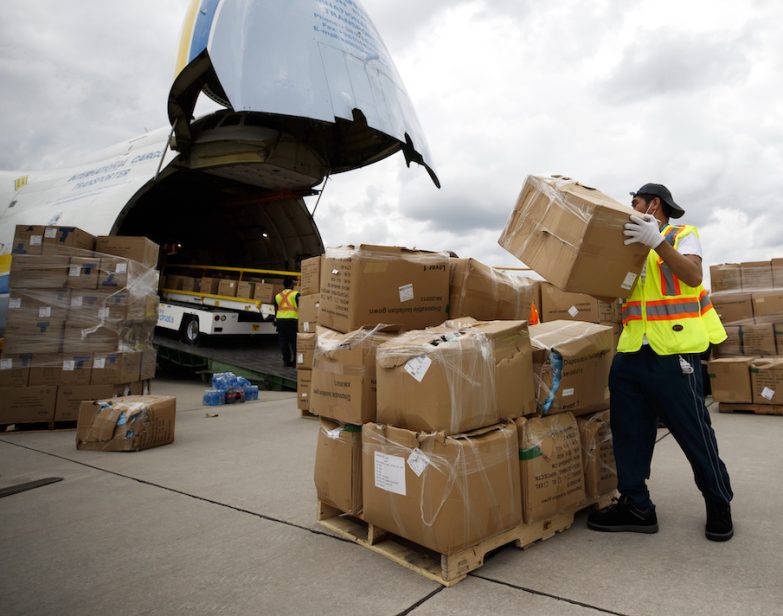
{"x":80,"y":320}
{"x":259,"y":289}
{"x":435,"y":429}
{"x":309,"y":302}
{"x":748,"y":369}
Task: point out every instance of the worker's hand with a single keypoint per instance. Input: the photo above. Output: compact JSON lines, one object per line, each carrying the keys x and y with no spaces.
{"x":644,"y":230}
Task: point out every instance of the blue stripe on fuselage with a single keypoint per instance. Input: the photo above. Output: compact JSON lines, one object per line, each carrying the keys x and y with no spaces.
{"x":206,"y":14}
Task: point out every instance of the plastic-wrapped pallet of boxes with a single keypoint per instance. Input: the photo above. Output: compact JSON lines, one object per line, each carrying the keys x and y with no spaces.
{"x":748,"y":369}
{"x":80,"y":320}
{"x":309,"y":300}
{"x":572,"y":235}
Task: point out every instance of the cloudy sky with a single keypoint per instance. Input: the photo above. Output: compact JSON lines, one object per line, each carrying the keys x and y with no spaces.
{"x":613,"y":93}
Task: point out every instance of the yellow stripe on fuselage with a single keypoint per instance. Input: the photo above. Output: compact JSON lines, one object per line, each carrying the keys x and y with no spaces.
{"x":186,"y":36}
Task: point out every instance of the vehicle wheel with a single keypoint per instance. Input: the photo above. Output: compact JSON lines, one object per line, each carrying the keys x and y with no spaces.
{"x":190,"y":331}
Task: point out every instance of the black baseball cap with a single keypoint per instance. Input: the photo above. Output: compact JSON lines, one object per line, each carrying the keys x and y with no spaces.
{"x":659,"y":190}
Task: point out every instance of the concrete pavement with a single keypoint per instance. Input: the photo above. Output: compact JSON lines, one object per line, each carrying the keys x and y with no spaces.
{"x":222,"y":522}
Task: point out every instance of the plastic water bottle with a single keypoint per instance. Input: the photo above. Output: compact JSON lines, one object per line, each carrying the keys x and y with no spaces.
{"x":251,"y":392}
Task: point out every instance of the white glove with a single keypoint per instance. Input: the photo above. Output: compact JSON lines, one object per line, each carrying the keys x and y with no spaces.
{"x":644,"y":230}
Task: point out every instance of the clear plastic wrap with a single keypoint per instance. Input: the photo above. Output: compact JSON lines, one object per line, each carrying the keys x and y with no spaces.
{"x":344,"y":374}
{"x":443,"y":492}
{"x":437,"y":380}
{"x":551,"y":470}
{"x":338,"y":466}
{"x":571,"y":362}
{"x":572,"y":235}
{"x":598,"y":455}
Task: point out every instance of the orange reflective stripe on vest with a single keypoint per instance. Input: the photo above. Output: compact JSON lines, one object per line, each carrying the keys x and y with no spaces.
{"x":285,"y":302}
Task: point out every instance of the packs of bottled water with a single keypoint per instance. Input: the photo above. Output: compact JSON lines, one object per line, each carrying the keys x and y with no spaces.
{"x":214,"y":397}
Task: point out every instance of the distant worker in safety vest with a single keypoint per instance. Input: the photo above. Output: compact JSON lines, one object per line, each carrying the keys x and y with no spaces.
{"x":287,"y":320}
{"x":668,"y":322}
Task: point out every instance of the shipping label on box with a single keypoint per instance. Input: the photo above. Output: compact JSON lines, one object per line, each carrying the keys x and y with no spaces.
{"x":766,"y":376}
{"x":308,"y":312}
{"x":106,"y":369}
{"x":28,"y":240}
{"x":730,"y":379}
{"x":338,"y":466}
{"x":76,"y":369}
{"x":113,"y":273}
{"x":550,"y":466}
{"x":83,"y":273}
{"x":70,"y":241}
{"x":129,"y":423}
{"x":310,"y":281}
{"x":445,"y":493}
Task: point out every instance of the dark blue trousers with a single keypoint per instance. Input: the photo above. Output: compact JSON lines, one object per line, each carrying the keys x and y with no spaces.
{"x":644,"y":387}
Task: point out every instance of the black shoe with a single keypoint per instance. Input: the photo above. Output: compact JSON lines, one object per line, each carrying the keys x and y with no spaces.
{"x":622,"y":516}
{"x":719,"y":526}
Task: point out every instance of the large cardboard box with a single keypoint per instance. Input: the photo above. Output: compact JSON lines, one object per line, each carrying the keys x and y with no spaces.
{"x":27,"y":404}
{"x":766,"y":377}
{"x":338,"y":466}
{"x":76,"y":369}
{"x":732,"y":346}
{"x":310,"y":281}
{"x":446,"y":493}
{"x":768,"y":304}
{"x":245,"y":289}
{"x":227,"y":287}
{"x":34,"y":336}
{"x":758,"y":339}
{"x":115,"y":273}
{"x":83,"y":273}
{"x":486,"y":294}
{"x":595,"y":434}
{"x":756,"y":275}
{"x":70,"y":397}
{"x":140,"y":249}
{"x":67,"y":241}
{"x":571,"y":362}
{"x":107,"y":368}
{"x":89,"y":308}
{"x":733,"y":307}
{"x":28,"y":240}
{"x":308,"y":312}
{"x":98,"y":339}
{"x":149,"y":363}
{"x":304,"y":380}
{"x":725,"y":277}
{"x":370,"y":285}
{"x":557,"y":304}
{"x":550,"y":466}
{"x":38,"y":272}
{"x":730,"y":379}
{"x":46,"y":369}
{"x":26,"y":305}
{"x":305,"y":348}
{"x":209,"y":285}
{"x":344,"y":375}
{"x":15,"y":370}
{"x":777,"y":273}
{"x":129,"y":423}
{"x":572,"y":235}
{"x":264,"y":292}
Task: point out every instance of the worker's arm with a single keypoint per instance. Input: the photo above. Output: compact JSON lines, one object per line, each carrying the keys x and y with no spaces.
{"x":686,"y":267}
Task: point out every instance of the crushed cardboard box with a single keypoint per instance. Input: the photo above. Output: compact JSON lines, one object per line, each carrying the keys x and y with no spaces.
{"x":129,"y":423}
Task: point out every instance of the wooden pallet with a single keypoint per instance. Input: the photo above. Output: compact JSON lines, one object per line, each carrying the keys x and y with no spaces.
{"x":446,"y":569}
{"x":756,"y":409}
{"x":308,"y":414}
{"x":601,"y":502}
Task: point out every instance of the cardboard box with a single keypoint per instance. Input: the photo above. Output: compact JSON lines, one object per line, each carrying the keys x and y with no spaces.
{"x":89,"y":308}
{"x":344,"y":375}
{"x":730,"y":379}
{"x":114,"y":273}
{"x":149,"y":422}
{"x":140,"y":249}
{"x":245,"y":289}
{"x":725,"y":277}
{"x":149,"y":359}
{"x":777,"y":273}
{"x":766,"y":377}
{"x":27,"y":404}
{"x":107,"y":368}
{"x":550,"y":466}
{"x":25,"y":305}
{"x":484,"y":293}
{"x":370,"y":285}
{"x":98,"y":339}
{"x":732,"y":346}
{"x":70,"y":397}
{"x":572,"y":235}
{"x":209,"y":285}
{"x":46,"y":369}
{"x":310,"y":280}
{"x":304,"y":379}
{"x":768,"y":304}
{"x":130,"y":366}
{"x":28,"y":240}
{"x":562,"y":305}
{"x":733,"y":307}
{"x":446,"y":493}
{"x":38,"y":272}
{"x":582,"y":353}
{"x":34,"y":336}
{"x":264,"y":292}
{"x":338,"y":466}
{"x":15,"y":370}
{"x":76,"y":369}
{"x":308,"y":312}
{"x":83,"y":273}
{"x":70,"y":241}
{"x":305,"y":348}
{"x":758,"y":339}
{"x":227,"y":287}
{"x":756,"y":275}
{"x":144,"y":308}
{"x":595,"y":433}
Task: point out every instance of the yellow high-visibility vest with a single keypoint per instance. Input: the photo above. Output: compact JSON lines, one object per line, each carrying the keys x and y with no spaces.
{"x":675,"y":317}
{"x":287,"y":304}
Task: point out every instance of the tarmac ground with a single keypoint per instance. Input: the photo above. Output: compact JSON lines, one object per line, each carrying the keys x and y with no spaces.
{"x":222,"y":521}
